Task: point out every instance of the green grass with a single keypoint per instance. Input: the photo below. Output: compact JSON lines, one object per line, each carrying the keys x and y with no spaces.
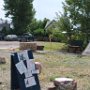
{"x":64,"y":64}
{"x":52,"y":45}
{"x":55,"y":63}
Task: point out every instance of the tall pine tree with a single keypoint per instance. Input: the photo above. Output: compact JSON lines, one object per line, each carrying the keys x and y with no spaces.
{"x":21,"y":12}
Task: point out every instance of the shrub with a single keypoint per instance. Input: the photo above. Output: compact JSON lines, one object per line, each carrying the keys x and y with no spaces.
{"x":39,"y":32}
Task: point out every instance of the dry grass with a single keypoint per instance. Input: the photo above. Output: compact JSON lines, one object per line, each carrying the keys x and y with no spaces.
{"x":63,"y":64}
{"x":5,"y":71}
{"x":55,"y":64}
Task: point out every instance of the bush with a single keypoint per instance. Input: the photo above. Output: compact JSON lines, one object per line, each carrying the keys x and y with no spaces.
{"x":39,"y":34}
{"x":56,"y":37}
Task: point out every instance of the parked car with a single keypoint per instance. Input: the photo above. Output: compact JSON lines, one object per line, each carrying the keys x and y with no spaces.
{"x":26,"y":37}
{"x":11,"y":37}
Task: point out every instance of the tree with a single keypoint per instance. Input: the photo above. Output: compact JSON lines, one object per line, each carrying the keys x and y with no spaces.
{"x":78,"y":11}
{"x":37,"y":24}
{"x":21,"y":12}
{"x":64,"y":25}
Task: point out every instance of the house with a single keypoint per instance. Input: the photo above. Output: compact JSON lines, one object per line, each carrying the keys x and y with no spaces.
{"x":50,"y":24}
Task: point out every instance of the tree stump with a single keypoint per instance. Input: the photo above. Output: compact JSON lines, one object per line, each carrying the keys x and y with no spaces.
{"x":65,"y":84}
{"x":52,"y":88}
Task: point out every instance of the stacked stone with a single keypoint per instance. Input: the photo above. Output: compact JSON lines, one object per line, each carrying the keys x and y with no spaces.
{"x":28,"y":45}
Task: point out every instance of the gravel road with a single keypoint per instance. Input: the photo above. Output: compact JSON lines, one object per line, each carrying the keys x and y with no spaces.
{"x":9,"y":44}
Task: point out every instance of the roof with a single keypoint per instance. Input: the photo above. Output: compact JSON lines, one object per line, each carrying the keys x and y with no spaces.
{"x":49,"y":23}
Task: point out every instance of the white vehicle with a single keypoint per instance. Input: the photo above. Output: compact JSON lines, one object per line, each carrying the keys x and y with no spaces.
{"x":11,"y":37}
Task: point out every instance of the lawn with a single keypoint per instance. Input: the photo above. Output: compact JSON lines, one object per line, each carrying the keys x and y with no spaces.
{"x":56,"y":62}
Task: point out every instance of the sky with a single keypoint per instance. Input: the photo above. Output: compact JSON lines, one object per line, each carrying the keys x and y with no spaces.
{"x":43,"y":8}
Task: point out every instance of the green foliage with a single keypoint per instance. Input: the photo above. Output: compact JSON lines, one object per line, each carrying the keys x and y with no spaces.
{"x":7,"y":31}
{"x":39,"y":32}
{"x":75,"y":20}
{"x":4,"y":31}
{"x":64,"y":24}
{"x":56,"y":36}
{"x":37,"y":28}
{"x":36,"y":24}
{"x":21,"y":13}
{"x":78,"y":11}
